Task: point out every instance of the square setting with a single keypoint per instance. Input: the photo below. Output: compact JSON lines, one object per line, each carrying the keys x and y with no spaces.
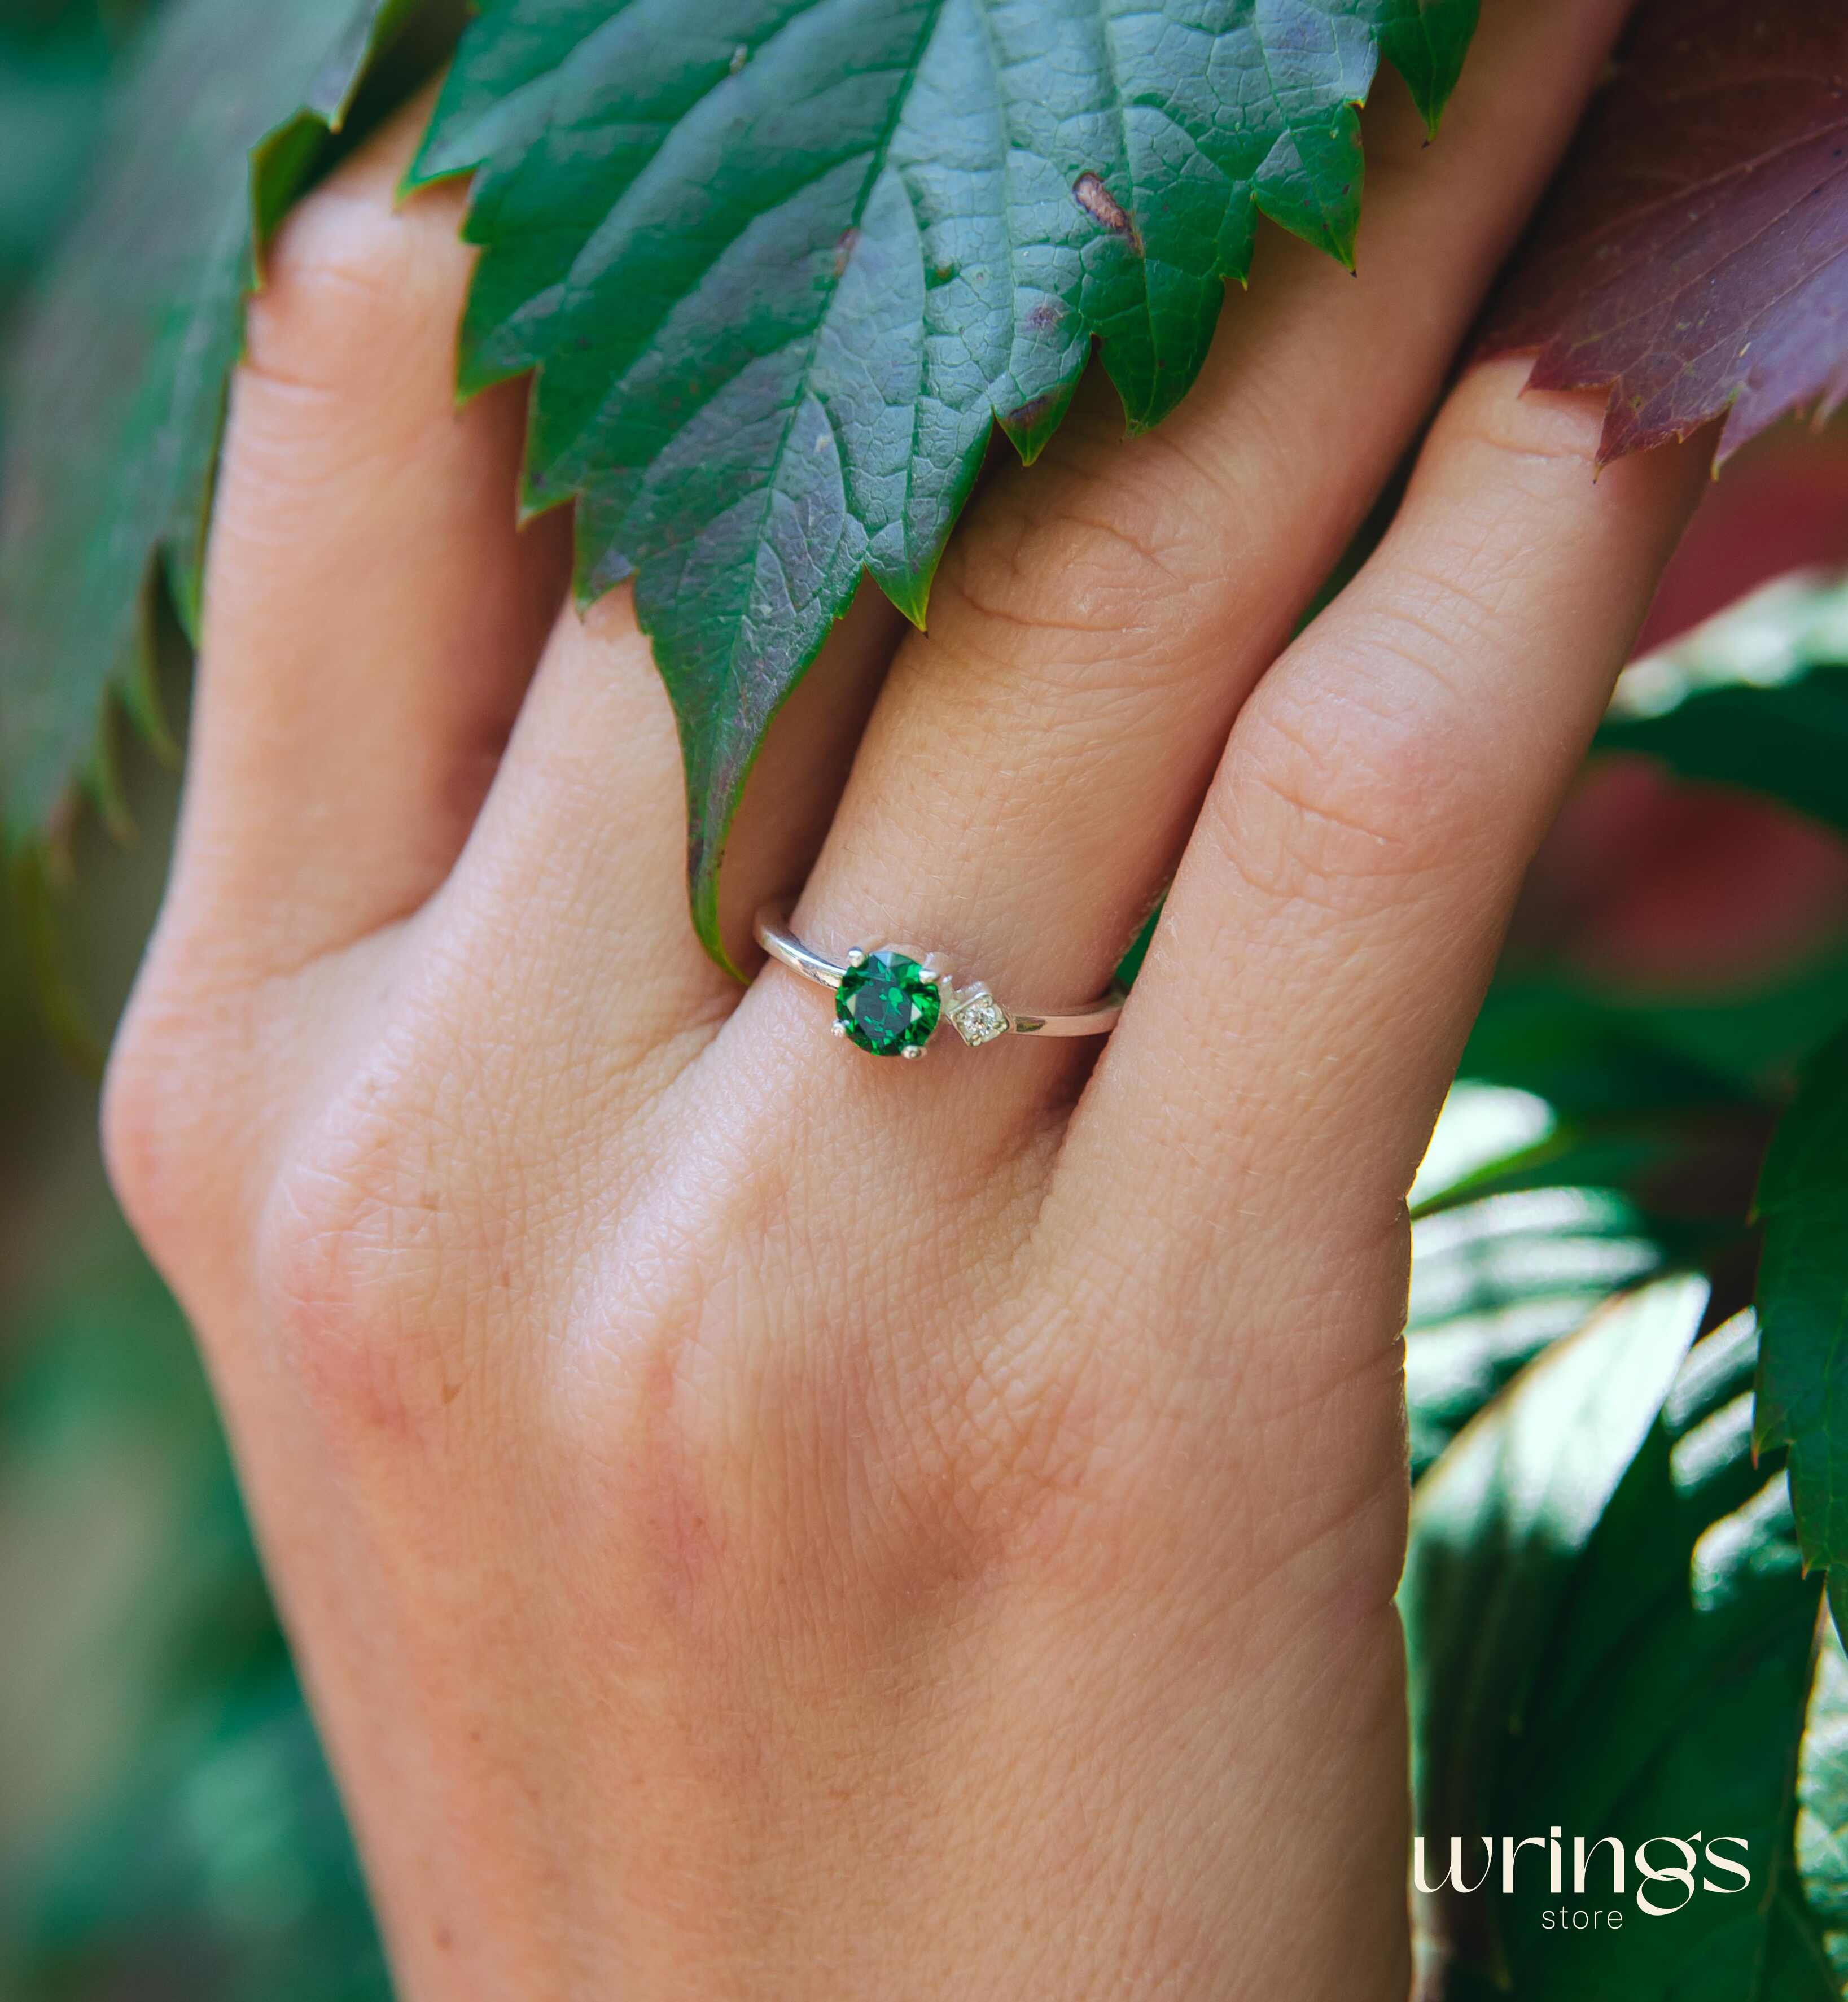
{"x":979,"y":1019}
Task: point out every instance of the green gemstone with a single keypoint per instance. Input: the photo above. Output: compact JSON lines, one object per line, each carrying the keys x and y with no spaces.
{"x":887,"y":1006}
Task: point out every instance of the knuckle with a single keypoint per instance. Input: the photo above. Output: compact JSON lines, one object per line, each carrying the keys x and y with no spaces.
{"x":1118,"y":563}
{"x":164,"y":1149}
{"x":375,"y":1279}
{"x":348,"y":286}
{"x":1026,"y":1448}
{"x":1326,"y":808}
{"x":321,"y":1298}
{"x":1528,"y":433}
{"x":141,"y":1133}
{"x":336,"y":263}
{"x":1098,"y":1465}
{"x":1443,"y":605}
{"x":821,"y":1485}
{"x":1055,"y":1437}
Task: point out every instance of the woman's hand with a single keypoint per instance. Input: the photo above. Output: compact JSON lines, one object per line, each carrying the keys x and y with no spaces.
{"x":758,"y":1521}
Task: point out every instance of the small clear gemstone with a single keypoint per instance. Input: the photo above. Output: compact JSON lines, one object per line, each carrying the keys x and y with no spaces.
{"x":979,"y":1019}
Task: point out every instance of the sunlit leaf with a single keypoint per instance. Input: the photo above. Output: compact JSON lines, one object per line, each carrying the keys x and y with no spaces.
{"x":1611,"y":1636}
{"x":1757,"y":697}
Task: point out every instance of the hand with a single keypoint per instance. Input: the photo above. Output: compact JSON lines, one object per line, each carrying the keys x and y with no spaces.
{"x":758,"y":1521}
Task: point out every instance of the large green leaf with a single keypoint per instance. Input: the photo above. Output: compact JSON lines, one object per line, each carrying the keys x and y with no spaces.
{"x":1803,"y":1308}
{"x":1671,"y":1698}
{"x":1665,"y":1105}
{"x":1757,"y":697}
{"x":1611,"y":1634}
{"x":1497,"y":1527}
{"x":783,"y":264}
{"x":1591,"y":1139}
{"x":1495,"y":1280}
{"x":115,"y":390}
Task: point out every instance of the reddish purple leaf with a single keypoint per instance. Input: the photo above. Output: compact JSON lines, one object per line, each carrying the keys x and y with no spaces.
{"x":1692,"y":257}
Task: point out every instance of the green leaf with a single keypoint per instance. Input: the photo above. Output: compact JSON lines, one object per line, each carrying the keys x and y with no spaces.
{"x":1821,"y":1830}
{"x":1601,"y":1055}
{"x":116,"y":388}
{"x":1757,"y":698}
{"x":1495,"y":1282}
{"x":1587,"y":1054}
{"x":1497,"y":1528}
{"x":1802,"y":1309}
{"x":51,"y":93}
{"x":1671,"y":1698}
{"x":1591,"y":1140}
{"x":1481,"y":1127}
{"x":1665,"y":1104}
{"x":1639,"y":1101}
{"x":783,"y":265}
{"x":1611,"y":1635}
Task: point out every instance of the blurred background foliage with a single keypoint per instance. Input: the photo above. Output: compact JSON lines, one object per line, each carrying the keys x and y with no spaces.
{"x":167,"y":1826}
{"x":55,"y":57}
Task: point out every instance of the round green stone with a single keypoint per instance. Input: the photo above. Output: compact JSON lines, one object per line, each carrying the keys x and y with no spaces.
{"x":887,"y":1006}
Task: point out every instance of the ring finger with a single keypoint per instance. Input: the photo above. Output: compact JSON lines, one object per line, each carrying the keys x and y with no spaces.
{"x":1032,"y":770}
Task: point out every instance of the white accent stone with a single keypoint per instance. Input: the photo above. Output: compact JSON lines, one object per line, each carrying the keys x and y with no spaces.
{"x":979,"y":1019}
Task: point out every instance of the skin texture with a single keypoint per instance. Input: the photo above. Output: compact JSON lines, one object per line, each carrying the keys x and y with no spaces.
{"x":761,"y":1521}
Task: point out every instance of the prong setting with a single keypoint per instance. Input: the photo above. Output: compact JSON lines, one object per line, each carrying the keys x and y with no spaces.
{"x":978,"y":1017}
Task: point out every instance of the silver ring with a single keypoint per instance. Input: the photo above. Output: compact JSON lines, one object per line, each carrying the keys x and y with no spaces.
{"x":890,"y":1000}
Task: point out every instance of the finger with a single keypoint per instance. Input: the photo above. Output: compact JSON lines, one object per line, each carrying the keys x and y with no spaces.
{"x":1032,"y":770}
{"x":1342,"y":900}
{"x":568,"y":911}
{"x":371,"y":613}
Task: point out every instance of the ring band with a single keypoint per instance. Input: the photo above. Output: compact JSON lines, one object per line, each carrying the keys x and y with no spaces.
{"x":890,"y":1000}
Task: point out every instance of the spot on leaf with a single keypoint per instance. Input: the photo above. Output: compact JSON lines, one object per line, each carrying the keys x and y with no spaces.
{"x":1098,"y":202}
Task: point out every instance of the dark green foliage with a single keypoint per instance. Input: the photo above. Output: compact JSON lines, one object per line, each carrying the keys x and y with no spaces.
{"x":1803,"y":1300}
{"x":1822,"y":1831}
{"x":115,"y":387}
{"x":1499,"y":1525}
{"x":182,"y":1837}
{"x":1639,"y":1662}
{"x":778,"y":296}
{"x":54,"y":61}
{"x":1611,"y":1635}
{"x":1760,"y":700}
{"x":1496,"y":1280}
